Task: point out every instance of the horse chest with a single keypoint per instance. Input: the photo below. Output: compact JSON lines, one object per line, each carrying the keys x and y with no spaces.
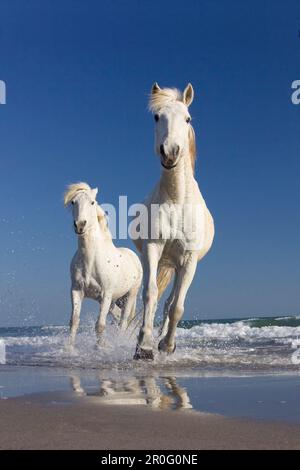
{"x":87,"y":282}
{"x":174,"y":252}
{"x":93,"y":290}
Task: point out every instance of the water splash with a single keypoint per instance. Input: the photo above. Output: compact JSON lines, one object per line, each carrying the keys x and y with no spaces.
{"x":238,"y":344}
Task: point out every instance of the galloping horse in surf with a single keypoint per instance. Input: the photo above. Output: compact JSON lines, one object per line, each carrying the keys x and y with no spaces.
{"x":99,"y":270}
{"x":177,"y":249}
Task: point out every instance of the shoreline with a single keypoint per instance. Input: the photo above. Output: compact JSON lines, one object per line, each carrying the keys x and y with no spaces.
{"x":60,"y":420}
{"x":269,"y":397}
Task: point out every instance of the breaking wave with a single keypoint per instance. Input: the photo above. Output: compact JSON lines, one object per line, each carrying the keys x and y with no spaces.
{"x":255,"y":343}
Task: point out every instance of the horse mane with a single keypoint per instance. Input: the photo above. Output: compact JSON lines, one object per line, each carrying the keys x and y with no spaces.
{"x":192,"y":147}
{"x":73,"y":189}
{"x":81,"y":187}
{"x":163,"y":96}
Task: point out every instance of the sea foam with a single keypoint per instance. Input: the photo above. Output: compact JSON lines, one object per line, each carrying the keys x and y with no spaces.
{"x":200,"y":345}
{"x":2,"y":352}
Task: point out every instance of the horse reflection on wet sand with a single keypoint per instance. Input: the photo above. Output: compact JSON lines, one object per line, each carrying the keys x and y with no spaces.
{"x":161,"y":393}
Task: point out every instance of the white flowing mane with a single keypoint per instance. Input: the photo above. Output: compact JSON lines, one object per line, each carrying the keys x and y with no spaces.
{"x":73,"y":189}
{"x":81,"y":187}
{"x":163,"y":97}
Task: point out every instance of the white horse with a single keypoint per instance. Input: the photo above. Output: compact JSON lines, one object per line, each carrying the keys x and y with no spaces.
{"x":176,"y":248}
{"x":99,"y":270}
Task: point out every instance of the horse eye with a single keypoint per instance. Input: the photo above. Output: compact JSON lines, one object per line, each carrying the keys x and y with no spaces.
{"x":93,"y":202}
{"x":188,"y":119}
{"x":72,"y":202}
{"x":156,"y":117}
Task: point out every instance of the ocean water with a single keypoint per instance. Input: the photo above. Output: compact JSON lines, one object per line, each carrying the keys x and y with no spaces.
{"x":254,"y":344}
{"x":236,"y":367}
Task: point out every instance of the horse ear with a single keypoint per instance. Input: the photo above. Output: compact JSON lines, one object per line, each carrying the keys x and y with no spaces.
{"x":188,"y":95}
{"x":155,"y":88}
{"x":94,"y":193}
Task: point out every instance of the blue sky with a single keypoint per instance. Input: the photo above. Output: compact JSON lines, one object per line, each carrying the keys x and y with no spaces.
{"x":77,"y":76}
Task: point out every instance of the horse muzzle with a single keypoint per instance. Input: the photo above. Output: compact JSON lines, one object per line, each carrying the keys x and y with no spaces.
{"x":79,"y":227}
{"x":169,"y":157}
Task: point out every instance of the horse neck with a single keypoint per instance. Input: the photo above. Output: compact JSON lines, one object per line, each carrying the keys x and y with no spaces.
{"x":177,"y":183}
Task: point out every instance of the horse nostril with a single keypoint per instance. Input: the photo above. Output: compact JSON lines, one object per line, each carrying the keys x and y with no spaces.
{"x":75,"y":224}
{"x":162,"y":150}
{"x":83,"y":223}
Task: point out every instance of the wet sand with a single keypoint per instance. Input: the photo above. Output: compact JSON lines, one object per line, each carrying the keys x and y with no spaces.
{"x":58,"y":421}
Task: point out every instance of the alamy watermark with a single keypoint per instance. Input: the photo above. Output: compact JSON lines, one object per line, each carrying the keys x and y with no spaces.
{"x":295,"y":97}
{"x":2,"y":92}
{"x":184,"y":222}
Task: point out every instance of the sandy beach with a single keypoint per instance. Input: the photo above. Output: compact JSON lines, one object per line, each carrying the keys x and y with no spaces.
{"x":58,"y":421}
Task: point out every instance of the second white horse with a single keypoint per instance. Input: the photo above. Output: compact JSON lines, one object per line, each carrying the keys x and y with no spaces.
{"x":99,"y":270}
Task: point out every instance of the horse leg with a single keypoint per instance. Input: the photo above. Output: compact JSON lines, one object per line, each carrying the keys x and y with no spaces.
{"x":101,"y":322}
{"x":168,"y":303}
{"x":116,"y":313}
{"x":76,"y":299}
{"x":133,"y":309}
{"x":150,"y":256}
{"x":128,"y":308}
{"x":184,"y":280}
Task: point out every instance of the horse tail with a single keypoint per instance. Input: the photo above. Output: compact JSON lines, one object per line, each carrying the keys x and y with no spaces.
{"x":164,"y":277}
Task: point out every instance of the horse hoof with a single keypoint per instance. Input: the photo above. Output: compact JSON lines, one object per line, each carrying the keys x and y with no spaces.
{"x":162,"y":347}
{"x":144,"y":354}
